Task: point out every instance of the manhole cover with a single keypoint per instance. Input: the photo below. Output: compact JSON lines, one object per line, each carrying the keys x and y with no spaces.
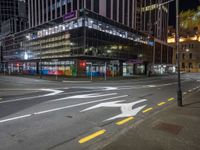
{"x":170,"y":128}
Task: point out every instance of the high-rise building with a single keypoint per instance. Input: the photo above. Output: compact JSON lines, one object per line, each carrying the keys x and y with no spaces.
{"x":84,"y":38}
{"x":153,"y":18}
{"x":13,"y":16}
{"x":42,"y":11}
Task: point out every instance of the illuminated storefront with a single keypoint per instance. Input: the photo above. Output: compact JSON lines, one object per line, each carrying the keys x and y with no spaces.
{"x":84,"y":45}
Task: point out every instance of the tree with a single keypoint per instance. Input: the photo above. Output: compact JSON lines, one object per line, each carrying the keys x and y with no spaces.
{"x":190,"y":22}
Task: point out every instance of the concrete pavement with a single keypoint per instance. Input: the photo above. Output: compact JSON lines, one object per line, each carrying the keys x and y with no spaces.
{"x":173,"y":128}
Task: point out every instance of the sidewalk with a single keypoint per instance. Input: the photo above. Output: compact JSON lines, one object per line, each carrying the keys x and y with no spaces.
{"x":82,"y":79}
{"x":171,"y":129}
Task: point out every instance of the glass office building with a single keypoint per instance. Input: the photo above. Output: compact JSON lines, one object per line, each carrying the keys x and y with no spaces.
{"x":82,"y":39}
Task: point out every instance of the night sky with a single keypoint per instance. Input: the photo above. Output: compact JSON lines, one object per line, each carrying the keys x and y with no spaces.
{"x":184,"y":5}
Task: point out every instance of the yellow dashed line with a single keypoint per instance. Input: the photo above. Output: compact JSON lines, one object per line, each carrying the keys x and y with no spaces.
{"x":162,"y":103}
{"x":124,"y":121}
{"x":148,"y":109}
{"x":171,"y":99}
{"x":92,"y":136}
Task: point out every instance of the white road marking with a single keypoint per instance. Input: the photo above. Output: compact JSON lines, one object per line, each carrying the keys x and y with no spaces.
{"x":110,"y":88}
{"x":184,"y":93}
{"x":65,"y":81}
{"x":53,"y":92}
{"x":15,"y":118}
{"x":84,"y":96}
{"x":60,"y":108}
{"x":126,"y":108}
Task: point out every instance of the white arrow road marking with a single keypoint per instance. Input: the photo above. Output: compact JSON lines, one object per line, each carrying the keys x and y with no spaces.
{"x":126,"y":108}
{"x":59,"y":108}
{"x":53,"y":92}
{"x":110,"y":88}
{"x":85,"y":96}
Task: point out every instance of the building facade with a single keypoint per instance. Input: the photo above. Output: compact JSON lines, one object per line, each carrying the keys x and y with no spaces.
{"x":122,"y":11}
{"x":189,"y":53}
{"x":13,"y":16}
{"x":84,"y":38}
{"x":153,"y":18}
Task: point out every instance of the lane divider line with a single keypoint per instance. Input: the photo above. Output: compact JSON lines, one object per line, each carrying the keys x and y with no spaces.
{"x":147,"y":110}
{"x":124,"y":121}
{"x":91,"y":136}
{"x":171,"y":99}
{"x":162,"y":103}
{"x":15,"y":118}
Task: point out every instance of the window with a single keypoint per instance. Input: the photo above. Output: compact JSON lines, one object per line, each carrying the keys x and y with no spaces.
{"x":88,"y":4}
{"x":115,"y":10}
{"x":125,"y":12}
{"x":131,"y":14}
{"x":190,"y":65}
{"x":49,"y":10}
{"x":96,"y":6}
{"x":53,"y":9}
{"x":69,"y":4}
{"x":58,"y":8}
{"x":63,"y":6}
{"x":190,"y":55}
{"x":120,"y":11}
{"x":74,"y":4}
{"x":183,"y":65}
{"x":108,"y":8}
{"x":183,"y":56}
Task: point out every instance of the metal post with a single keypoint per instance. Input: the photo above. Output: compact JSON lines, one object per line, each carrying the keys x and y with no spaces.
{"x":4,"y":69}
{"x":179,"y":92}
{"x":91,"y":72}
{"x":105,"y":70}
{"x":56,"y":70}
{"x":40,"y":62}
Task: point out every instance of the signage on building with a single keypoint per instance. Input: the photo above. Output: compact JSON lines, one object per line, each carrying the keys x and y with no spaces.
{"x":114,"y":62}
{"x":135,"y":61}
{"x":70,"y":16}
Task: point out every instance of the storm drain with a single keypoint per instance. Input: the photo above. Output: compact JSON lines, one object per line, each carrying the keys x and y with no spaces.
{"x":170,"y":128}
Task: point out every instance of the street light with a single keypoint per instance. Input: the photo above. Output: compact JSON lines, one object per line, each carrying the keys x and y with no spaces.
{"x":179,"y":91}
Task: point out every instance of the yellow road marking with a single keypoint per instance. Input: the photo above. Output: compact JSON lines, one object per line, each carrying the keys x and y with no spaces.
{"x":162,"y":103}
{"x":171,"y":99}
{"x":124,"y":121}
{"x":148,"y":109}
{"x":92,"y":136}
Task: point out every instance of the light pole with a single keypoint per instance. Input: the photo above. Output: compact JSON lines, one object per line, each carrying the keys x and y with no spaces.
{"x":179,"y":92}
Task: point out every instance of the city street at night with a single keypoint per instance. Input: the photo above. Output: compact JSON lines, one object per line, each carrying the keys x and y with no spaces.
{"x":38,"y":114}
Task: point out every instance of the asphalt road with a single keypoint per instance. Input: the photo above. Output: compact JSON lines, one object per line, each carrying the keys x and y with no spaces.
{"x":48,"y":115}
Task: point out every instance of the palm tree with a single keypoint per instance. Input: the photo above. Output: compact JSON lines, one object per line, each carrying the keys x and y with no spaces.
{"x":190,"y":22}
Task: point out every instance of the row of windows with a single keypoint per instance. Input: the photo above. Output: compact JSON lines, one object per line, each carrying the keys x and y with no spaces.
{"x":185,"y":46}
{"x":184,"y":56}
{"x":48,"y":10}
{"x":189,"y":65}
{"x":121,"y":11}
